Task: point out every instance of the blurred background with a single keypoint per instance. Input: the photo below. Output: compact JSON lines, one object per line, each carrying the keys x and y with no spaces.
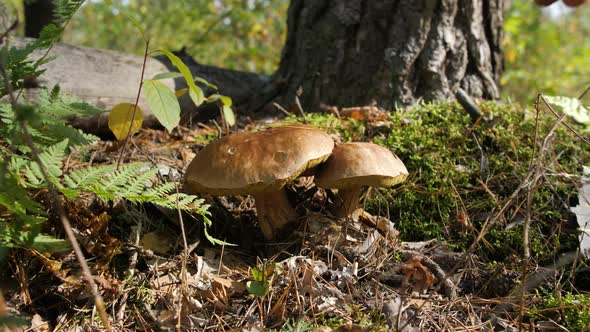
{"x":546,"y":49}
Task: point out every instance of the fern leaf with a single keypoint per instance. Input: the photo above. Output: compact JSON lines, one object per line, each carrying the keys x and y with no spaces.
{"x":87,"y":177}
{"x":128,"y":182}
{"x":65,"y":9}
{"x":46,"y":243}
{"x":51,"y":159}
{"x":134,"y":189}
{"x":16,"y":201}
{"x":123,"y":177}
{"x":160,"y":190}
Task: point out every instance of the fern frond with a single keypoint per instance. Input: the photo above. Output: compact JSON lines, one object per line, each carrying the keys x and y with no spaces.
{"x":185,"y":202}
{"x":65,"y":9}
{"x":75,"y":137}
{"x":6,"y":114}
{"x":110,"y":184}
{"x":16,"y":201}
{"x":160,"y":190}
{"x":51,"y":112}
{"x":49,"y":125}
{"x":124,"y":182}
{"x":136,"y":186}
{"x":51,"y":159}
{"x":15,"y":165}
{"x":87,"y":177}
{"x":60,"y":106}
{"x":18,"y":66}
{"x":164,"y":195}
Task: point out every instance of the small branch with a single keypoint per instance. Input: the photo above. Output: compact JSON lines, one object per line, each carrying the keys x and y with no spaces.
{"x":134,"y":237}
{"x":463,"y":98}
{"x":300,"y":109}
{"x":145,"y":56}
{"x":185,"y":254}
{"x":10,"y":28}
{"x":579,"y":98}
{"x":281,"y":108}
{"x":572,"y":130}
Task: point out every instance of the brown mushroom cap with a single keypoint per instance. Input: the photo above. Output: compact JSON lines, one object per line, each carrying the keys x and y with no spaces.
{"x":361,"y":164}
{"x":257,"y":162}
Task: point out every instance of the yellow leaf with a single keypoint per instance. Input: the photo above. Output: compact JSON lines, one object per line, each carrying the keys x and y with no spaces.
{"x":120,"y":120}
{"x":181,"y":92}
{"x":159,"y":242}
{"x":511,"y":56}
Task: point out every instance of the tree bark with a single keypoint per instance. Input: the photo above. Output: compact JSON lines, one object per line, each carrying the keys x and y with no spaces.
{"x":393,"y":52}
{"x":341,"y":53}
{"x":38,"y":13}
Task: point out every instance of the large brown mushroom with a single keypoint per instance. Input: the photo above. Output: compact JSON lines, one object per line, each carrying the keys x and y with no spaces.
{"x":353,"y":166}
{"x":259,"y":164}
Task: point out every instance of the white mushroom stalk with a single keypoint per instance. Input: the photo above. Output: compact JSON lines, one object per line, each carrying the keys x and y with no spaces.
{"x":274,"y":212}
{"x":347,"y":202}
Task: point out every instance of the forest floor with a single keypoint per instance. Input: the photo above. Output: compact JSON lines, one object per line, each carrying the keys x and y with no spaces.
{"x":425,"y":256}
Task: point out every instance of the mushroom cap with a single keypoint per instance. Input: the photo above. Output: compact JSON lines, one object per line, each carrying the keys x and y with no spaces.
{"x":361,"y":164}
{"x":257,"y":162}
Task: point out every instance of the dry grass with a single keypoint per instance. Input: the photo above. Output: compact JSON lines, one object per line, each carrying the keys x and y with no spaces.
{"x":155,"y":273}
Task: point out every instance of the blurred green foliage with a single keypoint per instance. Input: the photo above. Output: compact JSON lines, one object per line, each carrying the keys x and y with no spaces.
{"x":546,"y":53}
{"x":573,"y":310}
{"x":237,"y":34}
{"x":543,"y":53}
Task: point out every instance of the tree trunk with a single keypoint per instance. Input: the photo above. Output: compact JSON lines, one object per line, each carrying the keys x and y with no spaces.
{"x":341,"y":53}
{"x":393,"y":52}
{"x":38,"y":13}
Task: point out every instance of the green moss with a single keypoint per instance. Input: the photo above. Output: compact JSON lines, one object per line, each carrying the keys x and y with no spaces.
{"x":204,"y":139}
{"x":458,"y":167}
{"x":357,"y":315}
{"x":349,"y":130}
{"x":454,"y":164}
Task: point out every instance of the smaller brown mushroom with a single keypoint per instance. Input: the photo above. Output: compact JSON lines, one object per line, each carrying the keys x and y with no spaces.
{"x":353,"y":166}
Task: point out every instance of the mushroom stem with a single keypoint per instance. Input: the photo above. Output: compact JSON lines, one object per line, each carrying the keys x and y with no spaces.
{"x":347,"y":202}
{"x":274,"y":212}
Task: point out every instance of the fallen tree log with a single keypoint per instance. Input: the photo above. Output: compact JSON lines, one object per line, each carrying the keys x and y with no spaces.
{"x":105,"y":78}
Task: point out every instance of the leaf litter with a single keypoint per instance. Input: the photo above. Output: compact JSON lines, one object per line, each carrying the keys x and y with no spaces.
{"x":335,"y":274}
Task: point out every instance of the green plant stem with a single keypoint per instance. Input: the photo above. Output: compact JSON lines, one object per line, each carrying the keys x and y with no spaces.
{"x":183,"y":276}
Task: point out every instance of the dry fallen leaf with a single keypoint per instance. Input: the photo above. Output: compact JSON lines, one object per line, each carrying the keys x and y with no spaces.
{"x":221,"y":290}
{"x":187,"y":154}
{"x":236,"y":287}
{"x":38,"y":324}
{"x":125,"y":119}
{"x":370,"y":113}
{"x":414,"y":271}
{"x":159,"y":242}
{"x":322,"y":329}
